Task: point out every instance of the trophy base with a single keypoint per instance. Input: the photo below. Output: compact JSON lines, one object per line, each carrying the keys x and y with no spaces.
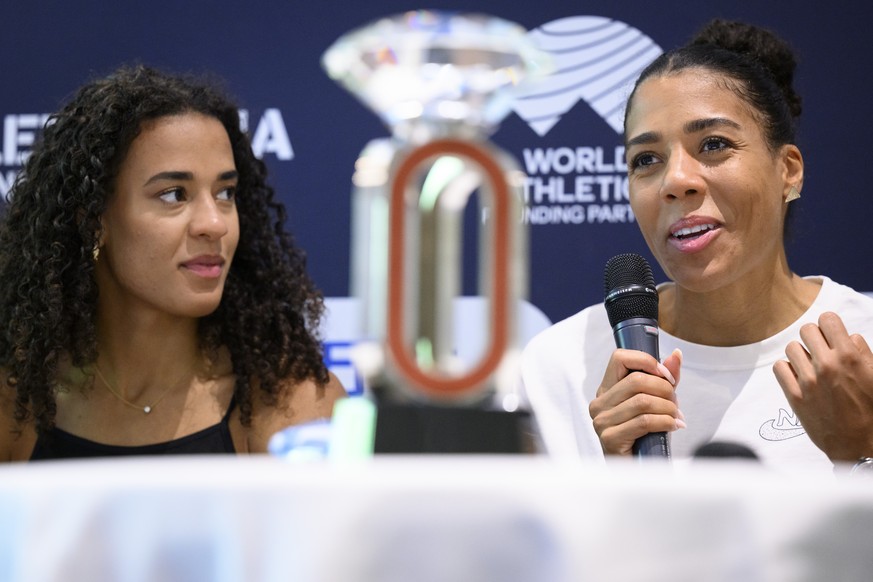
{"x":407,"y":428}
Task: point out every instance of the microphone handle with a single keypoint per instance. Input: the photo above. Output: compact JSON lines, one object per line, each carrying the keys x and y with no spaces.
{"x":638,"y":333}
{"x":641,"y":333}
{"x":653,"y":444}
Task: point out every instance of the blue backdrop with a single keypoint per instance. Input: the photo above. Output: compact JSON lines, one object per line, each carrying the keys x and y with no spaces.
{"x":310,"y":130}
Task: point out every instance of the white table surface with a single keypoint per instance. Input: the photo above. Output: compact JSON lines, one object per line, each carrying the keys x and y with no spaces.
{"x":424,"y":519}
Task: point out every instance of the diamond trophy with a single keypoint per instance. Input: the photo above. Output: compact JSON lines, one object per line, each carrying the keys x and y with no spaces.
{"x":441,"y":82}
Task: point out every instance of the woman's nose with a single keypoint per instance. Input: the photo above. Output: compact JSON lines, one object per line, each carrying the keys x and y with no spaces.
{"x":207,"y":219}
{"x":681,"y":175}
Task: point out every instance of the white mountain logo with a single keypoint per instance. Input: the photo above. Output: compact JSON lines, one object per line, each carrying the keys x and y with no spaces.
{"x":596,"y":59}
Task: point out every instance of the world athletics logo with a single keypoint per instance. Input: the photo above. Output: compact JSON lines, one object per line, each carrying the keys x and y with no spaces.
{"x":596,"y":60}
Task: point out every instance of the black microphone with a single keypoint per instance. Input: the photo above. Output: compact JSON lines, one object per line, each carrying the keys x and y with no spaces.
{"x":724,"y":450}
{"x":632,"y":305}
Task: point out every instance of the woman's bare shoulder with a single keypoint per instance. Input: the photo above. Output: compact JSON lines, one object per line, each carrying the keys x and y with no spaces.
{"x":298,"y":403}
{"x":16,"y":439}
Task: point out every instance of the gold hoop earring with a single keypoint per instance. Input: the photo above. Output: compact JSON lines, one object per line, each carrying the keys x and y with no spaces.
{"x":793,"y":194}
{"x":95,"y":252}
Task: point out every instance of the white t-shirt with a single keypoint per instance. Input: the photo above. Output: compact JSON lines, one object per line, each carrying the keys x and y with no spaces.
{"x":727,"y":394}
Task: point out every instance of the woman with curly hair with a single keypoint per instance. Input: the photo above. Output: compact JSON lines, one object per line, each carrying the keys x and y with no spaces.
{"x":151,"y":299}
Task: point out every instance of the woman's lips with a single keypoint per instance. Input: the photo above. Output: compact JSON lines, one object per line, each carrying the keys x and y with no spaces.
{"x":208,"y":267}
{"x":693,"y":234}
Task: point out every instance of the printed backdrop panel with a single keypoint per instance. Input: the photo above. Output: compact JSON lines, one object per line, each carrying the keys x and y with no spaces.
{"x":567,"y":138}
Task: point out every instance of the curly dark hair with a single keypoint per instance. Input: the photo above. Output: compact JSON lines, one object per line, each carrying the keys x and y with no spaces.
{"x":758,"y":65}
{"x":270,"y":309}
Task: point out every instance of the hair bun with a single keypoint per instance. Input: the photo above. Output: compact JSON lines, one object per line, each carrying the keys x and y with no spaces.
{"x":760,"y":45}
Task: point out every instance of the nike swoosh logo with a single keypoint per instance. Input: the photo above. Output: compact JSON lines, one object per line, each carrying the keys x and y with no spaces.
{"x":770,"y":432}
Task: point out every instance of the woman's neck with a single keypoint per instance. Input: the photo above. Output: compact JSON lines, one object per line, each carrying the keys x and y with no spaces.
{"x":140,"y":351}
{"x":744,"y":312}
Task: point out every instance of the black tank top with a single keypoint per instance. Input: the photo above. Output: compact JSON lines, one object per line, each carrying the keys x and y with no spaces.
{"x":59,"y":444}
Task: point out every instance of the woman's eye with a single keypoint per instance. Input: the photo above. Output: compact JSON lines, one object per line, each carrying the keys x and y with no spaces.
{"x":227,"y":194}
{"x":714,"y":144}
{"x":172,"y":196}
{"x":643,"y":160}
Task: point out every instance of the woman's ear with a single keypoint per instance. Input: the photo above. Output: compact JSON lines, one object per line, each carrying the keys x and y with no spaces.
{"x":792,"y":174}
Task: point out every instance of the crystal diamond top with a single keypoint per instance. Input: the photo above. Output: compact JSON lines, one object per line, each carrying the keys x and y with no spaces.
{"x":436,"y":67}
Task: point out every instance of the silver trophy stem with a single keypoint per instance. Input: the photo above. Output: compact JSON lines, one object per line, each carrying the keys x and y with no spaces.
{"x":441,"y":82}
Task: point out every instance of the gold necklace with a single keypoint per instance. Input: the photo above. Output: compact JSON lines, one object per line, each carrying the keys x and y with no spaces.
{"x":146,"y":409}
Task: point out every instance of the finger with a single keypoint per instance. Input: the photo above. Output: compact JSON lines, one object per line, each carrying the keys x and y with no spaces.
{"x":626,"y":361}
{"x":787,"y":380}
{"x":620,"y":438}
{"x":638,"y":405}
{"x":861,"y":345}
{"x":812,"y":337}
{"x":673,"y":364}
{"x":622,"y":362}
{"x":801,"y":362}
{"x":633,"y":384}
{"x":834,"y":331}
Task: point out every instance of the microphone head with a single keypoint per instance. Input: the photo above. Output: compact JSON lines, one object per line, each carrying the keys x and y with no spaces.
{"x":724,"y":450}
{"x":629,"y":289}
